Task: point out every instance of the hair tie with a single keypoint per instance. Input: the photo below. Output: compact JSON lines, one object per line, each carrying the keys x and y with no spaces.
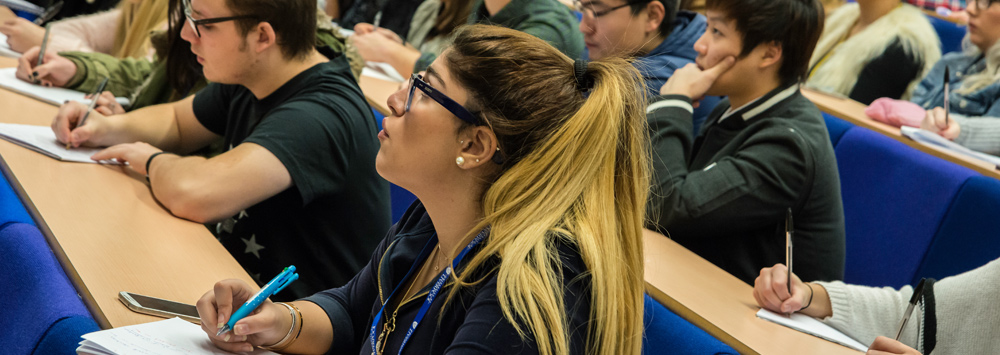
{"x":583,"y":82}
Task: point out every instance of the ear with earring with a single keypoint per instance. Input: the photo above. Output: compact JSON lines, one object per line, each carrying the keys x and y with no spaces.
{"x":460,"y":161}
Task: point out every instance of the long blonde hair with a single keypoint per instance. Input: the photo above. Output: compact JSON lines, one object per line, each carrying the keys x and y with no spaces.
{"x":575,"y":172}
{"x":989,"y":75}
{"x":136,"y":22}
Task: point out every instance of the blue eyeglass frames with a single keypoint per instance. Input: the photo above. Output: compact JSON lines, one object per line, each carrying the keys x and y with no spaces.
{"x":417,"y":82}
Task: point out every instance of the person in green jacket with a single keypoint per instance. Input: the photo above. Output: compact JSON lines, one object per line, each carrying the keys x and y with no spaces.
{"x":545,"y":19}
{"x":173,"y":75}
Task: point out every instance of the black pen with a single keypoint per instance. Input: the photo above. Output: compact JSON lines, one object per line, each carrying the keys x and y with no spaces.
{"x":946,"y":94}
{"x":919,"y":290}
{"x":93,"y":104}
{"x":789,"y":229}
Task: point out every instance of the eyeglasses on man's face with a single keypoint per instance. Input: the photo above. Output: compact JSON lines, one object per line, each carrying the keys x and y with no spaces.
{"x":588,"y":10}
{"x":206,"y":21}
{"x":981,"y":4}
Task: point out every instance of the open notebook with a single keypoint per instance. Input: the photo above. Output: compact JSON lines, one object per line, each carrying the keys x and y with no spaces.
{"x":54,"y":96}
{"x":930,"y":138}
{"x":166,"y":337}
{"x":41,"y":139}
{"x":811,"y":326}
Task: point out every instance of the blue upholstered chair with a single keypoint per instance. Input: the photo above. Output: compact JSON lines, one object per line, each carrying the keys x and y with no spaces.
{"x":42,"y":312}
{"x":11,"y":208}
{"x":836,"y":127}
{"x":950,"y":33}
{"x":668,"y":333}
{"x":399,"y":198}
{"x":895,"y":197}
{"x":969,"y":236}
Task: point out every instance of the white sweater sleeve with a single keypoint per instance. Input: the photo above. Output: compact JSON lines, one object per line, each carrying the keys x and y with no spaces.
{"x":967,"y":312}
{"x":88,"y":33}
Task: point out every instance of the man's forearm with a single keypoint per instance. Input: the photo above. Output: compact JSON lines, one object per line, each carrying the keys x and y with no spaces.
{"x":155,"y":125}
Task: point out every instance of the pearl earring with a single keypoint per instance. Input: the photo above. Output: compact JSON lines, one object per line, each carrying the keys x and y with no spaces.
{"x":477,"y":160}
{"x":459,"y":161}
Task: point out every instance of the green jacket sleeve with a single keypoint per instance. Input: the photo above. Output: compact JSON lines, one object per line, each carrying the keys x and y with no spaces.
{"x":740,"y":191}
{"x":126,"y":74}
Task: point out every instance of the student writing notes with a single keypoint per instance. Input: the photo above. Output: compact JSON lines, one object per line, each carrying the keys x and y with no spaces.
{"x":297,"y":182}
{"x":724,"y":194}
{"x":532,"y":192}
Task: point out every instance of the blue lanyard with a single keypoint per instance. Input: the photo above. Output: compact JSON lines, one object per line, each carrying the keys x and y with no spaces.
{"x":442,"y":278}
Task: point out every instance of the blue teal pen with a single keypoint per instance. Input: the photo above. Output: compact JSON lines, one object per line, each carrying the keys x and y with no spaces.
{"x":277,"y":284}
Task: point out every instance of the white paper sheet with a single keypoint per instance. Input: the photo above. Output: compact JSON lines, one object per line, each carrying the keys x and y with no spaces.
{"x":5,"y":49}
{"x":930,"y":138}
{"x":382,"y":71}
{"x":165,"y":337}
{"x":810,"y":325}
{"x":41,"y":139}
{"x":54,"y":96}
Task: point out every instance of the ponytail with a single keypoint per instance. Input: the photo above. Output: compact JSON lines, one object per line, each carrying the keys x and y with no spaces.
{"x":575,"y":171}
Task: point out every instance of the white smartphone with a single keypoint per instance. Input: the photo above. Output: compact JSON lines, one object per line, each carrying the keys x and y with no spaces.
{"x":159,"y":307}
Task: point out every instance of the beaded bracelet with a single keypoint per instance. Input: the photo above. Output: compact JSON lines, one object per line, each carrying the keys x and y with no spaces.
{"x":287,"y":339}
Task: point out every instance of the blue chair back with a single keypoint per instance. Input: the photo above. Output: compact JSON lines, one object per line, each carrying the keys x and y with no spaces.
{"x":667,"y":333}
{"x":894,"y":200}
{"x":836,"y":127}
{"x":42,"y":312}
{"x":968,"y":237}
{"x":950,"y":33}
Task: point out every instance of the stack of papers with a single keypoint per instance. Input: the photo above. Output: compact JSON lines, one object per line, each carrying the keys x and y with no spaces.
{"x":810,"y":325}
{"x":54,"y":96}
{"x":41,"y":139}
{"x":167,"y":337}
{"x":930,"y":138}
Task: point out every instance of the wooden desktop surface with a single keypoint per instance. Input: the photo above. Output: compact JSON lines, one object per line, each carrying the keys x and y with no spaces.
{"x":377,"y":92}
{"x":720,"y":303}
{"x":106,"y":229}
{"x":854,"y":112}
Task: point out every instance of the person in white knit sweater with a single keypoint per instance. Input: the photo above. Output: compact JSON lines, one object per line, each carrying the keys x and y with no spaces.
{"x":956,"y":315}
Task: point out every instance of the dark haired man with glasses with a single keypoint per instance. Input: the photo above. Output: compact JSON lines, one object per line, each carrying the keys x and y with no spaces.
{"x":654,"y":32}
{"x":297,"y":184}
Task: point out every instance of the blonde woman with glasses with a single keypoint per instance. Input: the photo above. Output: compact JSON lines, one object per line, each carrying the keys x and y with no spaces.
{"x":531,"y":173}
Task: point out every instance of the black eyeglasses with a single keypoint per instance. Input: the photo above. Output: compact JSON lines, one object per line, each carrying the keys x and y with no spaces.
{"x":417,"y":82}
{"x":981,"y":4}
{"x":587,"y":9}
{"x":206,"y":21}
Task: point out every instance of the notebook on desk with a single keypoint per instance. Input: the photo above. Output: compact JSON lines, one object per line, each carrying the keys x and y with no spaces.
{"x":166,"y":337}
{"x":932,"y":139}
{"x":42,"y":140}
{"x":54,"y":96}
{"x":811,"y":326}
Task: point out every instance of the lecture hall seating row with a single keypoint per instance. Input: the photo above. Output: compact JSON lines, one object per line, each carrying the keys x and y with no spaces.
{"x":909,"y":214}
{"x":42,"y":312}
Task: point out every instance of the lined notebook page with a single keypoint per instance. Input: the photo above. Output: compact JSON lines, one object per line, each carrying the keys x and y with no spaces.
{"x":41,"y":139}
{"x":812,"y":326}
{"x":166,"y":337}
{"x":54,"y":96}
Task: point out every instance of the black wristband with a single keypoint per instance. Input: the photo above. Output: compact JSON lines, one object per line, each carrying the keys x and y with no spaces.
{"x":150,"y":160}
{"x":811,"y":292}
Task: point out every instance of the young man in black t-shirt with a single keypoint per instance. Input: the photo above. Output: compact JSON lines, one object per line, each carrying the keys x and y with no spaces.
{"x":297,"y":184}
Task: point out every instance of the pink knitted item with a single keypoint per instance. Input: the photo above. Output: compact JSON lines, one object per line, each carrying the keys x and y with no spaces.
{"x":896,"y":112}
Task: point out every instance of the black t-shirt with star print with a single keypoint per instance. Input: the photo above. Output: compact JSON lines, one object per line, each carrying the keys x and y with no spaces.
{"x":327,"y":224}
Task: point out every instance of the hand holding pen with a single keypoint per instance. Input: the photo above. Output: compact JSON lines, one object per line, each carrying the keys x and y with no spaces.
{"x":90,"y":108}
{"x":257,"y":322}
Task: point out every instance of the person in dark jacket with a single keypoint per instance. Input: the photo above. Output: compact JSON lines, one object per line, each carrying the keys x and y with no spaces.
{"x":764,"y":150}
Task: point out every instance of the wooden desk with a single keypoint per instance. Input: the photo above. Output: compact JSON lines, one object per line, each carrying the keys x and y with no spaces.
{"x":377,"y":92}
{"x":720,"y":303}
{"x":106,"y":229}
{"x":854,"y":112}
